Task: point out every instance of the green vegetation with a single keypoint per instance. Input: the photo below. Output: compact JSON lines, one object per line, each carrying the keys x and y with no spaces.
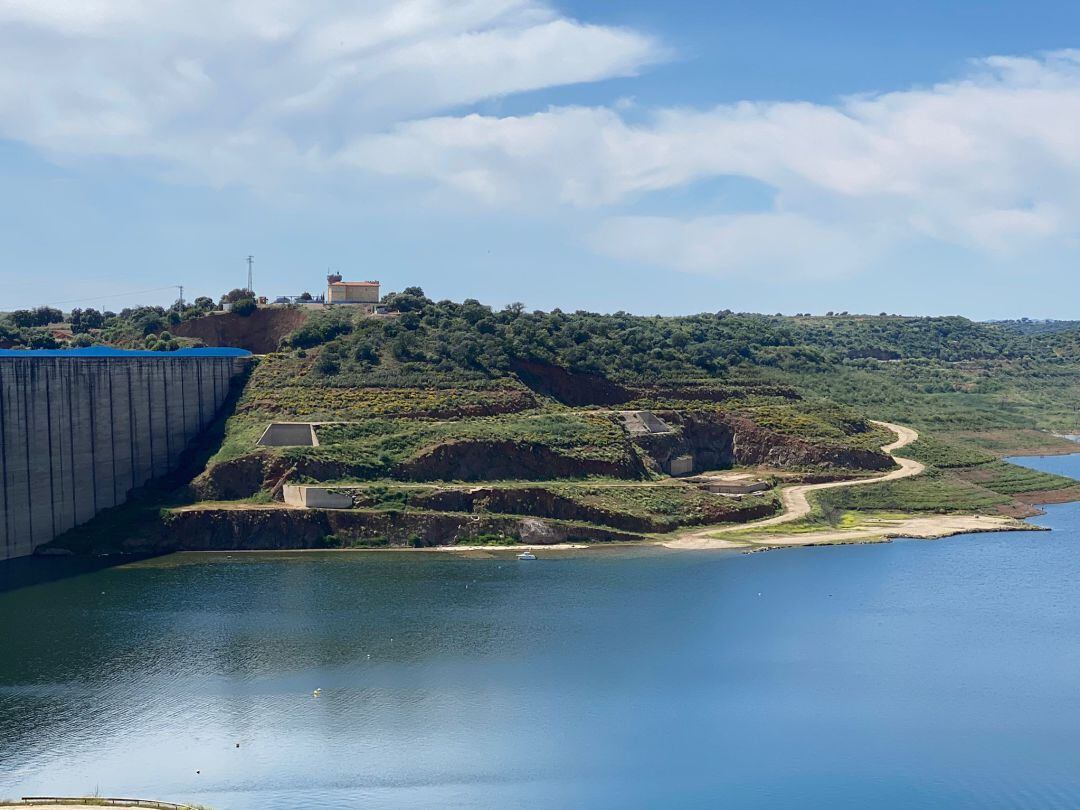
{"x":441,"y":374}
{"x":961,"y":478}
{"x":579,"y":435}
{"x":1011,"y":479}
{"x":538,"y":393}
{"x":946,"y":454}
{"x":934,"y":491}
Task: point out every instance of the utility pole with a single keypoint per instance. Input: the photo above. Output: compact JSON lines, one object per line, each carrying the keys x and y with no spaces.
{"x":251,"y":270}
{"x":181,"y":286}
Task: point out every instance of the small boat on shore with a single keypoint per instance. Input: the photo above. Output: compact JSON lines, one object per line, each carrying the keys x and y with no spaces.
{"x":526,"y":555}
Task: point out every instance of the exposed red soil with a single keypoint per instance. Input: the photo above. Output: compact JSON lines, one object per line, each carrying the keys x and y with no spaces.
{"x":260,"y":332}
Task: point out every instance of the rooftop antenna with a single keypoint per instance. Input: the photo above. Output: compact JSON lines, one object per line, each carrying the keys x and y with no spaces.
{"x":251,"y":271}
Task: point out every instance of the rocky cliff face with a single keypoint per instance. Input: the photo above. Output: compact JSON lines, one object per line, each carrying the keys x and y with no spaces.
{"x":717,"y":441}
{"x":263,"y":471}
{"x":273,"y":528}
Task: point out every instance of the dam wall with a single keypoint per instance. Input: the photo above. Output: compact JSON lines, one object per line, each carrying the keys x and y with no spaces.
{"x":79,"y":431}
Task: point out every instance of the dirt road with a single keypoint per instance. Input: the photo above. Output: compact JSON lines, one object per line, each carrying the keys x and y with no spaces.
{"x":795,"y":503}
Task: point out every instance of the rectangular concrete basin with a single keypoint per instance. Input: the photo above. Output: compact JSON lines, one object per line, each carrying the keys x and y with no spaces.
{"x":289,"y":434}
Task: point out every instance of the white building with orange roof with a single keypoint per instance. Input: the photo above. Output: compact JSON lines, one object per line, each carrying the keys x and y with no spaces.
{"x":360,"y":293}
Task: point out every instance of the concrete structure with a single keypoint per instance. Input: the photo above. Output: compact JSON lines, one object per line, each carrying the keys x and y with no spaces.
{"x":289,"y":434}
{"x":731,"y":483}
{"x":361,"y":293}
{"x":643,"y":423}
{"x":682,"y":465}
{"x":80,"y":429}
{"x":316,"y":497}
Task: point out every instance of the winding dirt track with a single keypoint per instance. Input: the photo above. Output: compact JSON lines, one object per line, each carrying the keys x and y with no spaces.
{"x":797,"y":506}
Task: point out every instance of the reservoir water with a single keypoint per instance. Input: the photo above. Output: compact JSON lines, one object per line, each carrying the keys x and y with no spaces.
{"x":907,"y":675}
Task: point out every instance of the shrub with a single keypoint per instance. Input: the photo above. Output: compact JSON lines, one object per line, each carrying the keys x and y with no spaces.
{"x":244,"y":307}
{"x":328,"y":366}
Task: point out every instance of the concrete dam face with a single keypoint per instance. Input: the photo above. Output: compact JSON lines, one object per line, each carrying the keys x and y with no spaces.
{"x":80,"y":430}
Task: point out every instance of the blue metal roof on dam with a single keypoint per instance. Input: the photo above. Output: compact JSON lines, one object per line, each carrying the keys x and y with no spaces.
{"x":107,"y":352}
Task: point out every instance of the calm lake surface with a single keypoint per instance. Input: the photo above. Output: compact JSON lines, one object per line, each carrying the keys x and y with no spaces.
{"x":914,"y":674}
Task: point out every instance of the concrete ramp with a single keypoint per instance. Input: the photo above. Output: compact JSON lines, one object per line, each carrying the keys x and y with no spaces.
{"x":643,"y":423}
{"x":289,"y":434}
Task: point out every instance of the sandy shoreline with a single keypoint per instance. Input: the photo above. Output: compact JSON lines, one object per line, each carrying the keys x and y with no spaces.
{"x":918,"y":528}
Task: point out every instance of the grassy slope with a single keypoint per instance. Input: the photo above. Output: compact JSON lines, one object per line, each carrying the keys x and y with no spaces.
{"x":405,"y":384}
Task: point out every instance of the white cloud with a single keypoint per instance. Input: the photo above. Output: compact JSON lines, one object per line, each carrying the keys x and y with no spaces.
{"x":990,"y":162}
{"x":263,"y":92}
{"x":770,"y":245}
{"x":241,"y":89}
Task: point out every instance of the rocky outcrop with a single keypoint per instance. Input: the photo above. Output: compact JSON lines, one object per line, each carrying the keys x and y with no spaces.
{"x":272,"y":528}
{"x":249,"y":474}
{"x":716,"y":441}
{"x":540,"y":532}
{"x":491,"y":460}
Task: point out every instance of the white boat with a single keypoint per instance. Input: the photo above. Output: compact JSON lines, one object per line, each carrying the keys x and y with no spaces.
{"x":526,"y":555}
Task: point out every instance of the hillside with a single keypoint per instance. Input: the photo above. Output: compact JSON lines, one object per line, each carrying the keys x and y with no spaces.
{"x":600,"y":423}
{"x":534,"y":409}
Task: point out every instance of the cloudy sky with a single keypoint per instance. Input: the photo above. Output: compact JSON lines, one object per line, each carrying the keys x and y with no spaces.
{"x":780,"y":156}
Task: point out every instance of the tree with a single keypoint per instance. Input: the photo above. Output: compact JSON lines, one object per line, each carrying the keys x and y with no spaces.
{"x":47,"y":315}
{"x":237,"y":294}
{"x":411,"y":299}
{"x":328,"y":366}
{"x":83,"y":320}
{"x":244,"y":306}
{"x":43,"y":340}
{"x":42,"y":316}
{"x":304,"y":296}
{"x":203,"y":303}
{"x":23,"y":318}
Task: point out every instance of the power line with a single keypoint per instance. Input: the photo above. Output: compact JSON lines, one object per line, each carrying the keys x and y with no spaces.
{"x":106,"y":297}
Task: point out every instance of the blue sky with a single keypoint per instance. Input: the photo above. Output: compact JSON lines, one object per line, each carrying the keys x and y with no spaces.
{"x":678,"y":157}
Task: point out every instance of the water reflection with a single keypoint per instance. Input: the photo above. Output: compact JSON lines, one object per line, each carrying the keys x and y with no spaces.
{"x":915,"y":674}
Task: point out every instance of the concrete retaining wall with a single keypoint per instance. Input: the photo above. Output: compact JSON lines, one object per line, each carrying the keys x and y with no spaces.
{"x":77,"y":434}
{"x":316,"y":497}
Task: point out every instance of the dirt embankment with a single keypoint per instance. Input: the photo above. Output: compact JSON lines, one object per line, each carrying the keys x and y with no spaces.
{"x":465,"y":460}
{"x":260,"y":332}
{"x":273,"y":528}
{"x":543,"y":503}
{"x":718,"y":441}
{"x":261,"y":471}
{"x":1027,"y":504}
{"x":471,"y":460}
{"x":568,"y":387}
